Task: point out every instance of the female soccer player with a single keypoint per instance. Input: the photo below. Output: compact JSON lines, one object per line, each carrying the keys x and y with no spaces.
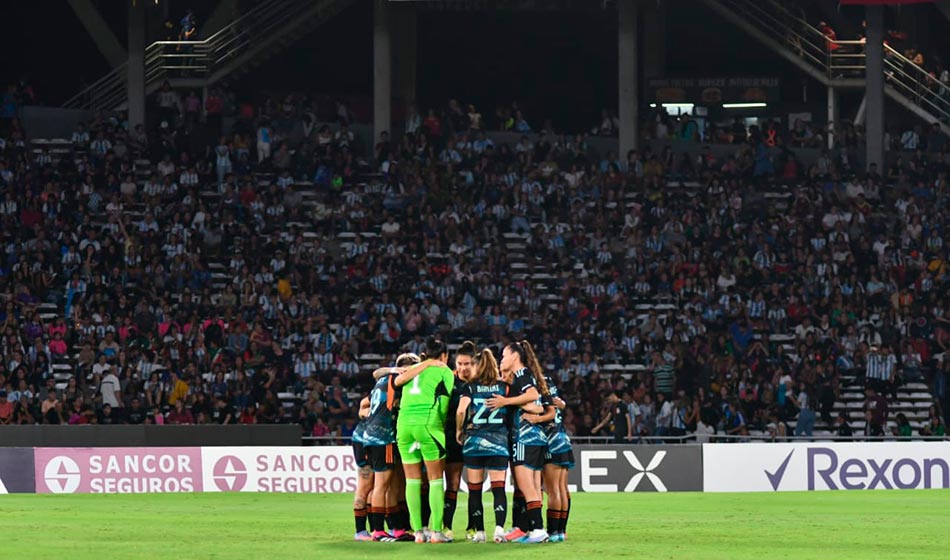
{"x":420,"y":435}
{"x":379,"y":440}
{"x":453,"y":450}
{"x":364,"y":484}
{"x":557,"y":461}
{"x":527,"y":386}
{"x":483,"y":433}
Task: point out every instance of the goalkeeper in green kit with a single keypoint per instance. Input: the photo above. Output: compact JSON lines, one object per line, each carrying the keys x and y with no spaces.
{"x":420,"y":434}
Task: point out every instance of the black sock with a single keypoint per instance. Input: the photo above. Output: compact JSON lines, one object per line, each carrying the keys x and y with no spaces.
{"x":561,"y":520}
{"x":552,"y":516}
{"x":476,"y":515}
{"x":534,"y":517}
{"x":567,"y":514}
{"x":448,"y":511}
{"x":392,"y":518}
{"x":426,"y":510}
{"x":375,"y":519}
{"x":518,"y":507}
{"x":359,"y":515}
{"x":501,"y":503}
{"x":403,"y":515}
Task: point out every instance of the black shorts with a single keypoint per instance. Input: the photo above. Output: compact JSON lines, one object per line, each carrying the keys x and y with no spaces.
{"x":453,"y":451}
{"x":382,"y":458}
{"x":359,"y":453}
{"x":488,"y":462}
{"x":565,"y":459}
{"x":531,"y":456}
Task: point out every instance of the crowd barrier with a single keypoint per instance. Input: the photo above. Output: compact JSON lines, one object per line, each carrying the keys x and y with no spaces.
{"x":716,"y":467}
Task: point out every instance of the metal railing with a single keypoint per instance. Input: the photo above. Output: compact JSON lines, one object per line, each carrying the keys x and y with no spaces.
{"x":198,"y":59}
{"x":915,"y":83}
{"x":842,"y":60}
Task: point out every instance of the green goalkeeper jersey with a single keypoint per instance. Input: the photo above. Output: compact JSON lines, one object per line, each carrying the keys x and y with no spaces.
{"x":425,"y":399}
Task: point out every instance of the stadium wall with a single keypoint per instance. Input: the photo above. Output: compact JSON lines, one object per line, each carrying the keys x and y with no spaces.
{"x":599,"y":146}
{"x":52,"y":122}
{"x":149,"y":436}
{"x":737,"y":467}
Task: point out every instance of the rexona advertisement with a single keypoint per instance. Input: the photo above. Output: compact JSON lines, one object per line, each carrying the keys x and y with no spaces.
{"x":118,"y":470}
{"x":775,"y":467}
{"x":279,"y":469}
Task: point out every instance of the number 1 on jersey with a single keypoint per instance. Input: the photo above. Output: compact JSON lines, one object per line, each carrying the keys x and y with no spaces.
{"x":415,"y":389}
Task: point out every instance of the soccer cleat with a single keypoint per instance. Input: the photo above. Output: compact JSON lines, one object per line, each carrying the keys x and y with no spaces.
{"x":556,"y":538}
{"x":420,"y":537}
{"x":439,"y":537}
{"x":382,"y":536}
{"x":403,"y":536}
{"x":479,"y":537}
{"x":470,"y":534}
{"x":448,"y":534}
{"x":515,"y":534}
{"x":362,"y":536}
{"x":536,"y":536}
{"x":427,"y":533}
{"x":499,"y":536}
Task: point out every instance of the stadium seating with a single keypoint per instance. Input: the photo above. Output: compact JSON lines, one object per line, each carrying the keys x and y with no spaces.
{"x":580,"y":271}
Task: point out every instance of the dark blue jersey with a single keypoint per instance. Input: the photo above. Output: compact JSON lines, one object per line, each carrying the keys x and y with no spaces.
{"x":454,"y":397}
{"x":552,"y":393}
{"x":379,"y":428}
{"x":486,"y":430}
{"x":558,"y":440}
{"x":357,"y":436}
{"x":527,"y":433}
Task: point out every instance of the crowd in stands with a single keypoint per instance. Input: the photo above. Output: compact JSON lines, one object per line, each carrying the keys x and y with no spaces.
{"x":743,"y":288}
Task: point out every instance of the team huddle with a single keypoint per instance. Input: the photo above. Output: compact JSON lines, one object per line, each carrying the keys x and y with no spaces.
{"x":422,"y":423}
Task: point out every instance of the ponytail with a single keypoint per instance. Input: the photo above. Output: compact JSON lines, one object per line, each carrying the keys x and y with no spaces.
{"x":535,"y":367}
{"x":487,"y":371}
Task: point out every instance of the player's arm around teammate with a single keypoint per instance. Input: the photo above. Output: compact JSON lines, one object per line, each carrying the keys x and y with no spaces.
{"x":421,"y":437}
{"x":527,"y":385}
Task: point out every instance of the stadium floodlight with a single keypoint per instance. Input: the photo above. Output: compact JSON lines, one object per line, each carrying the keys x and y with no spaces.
{"x":742,"y":105}
{"x":681,"y":106}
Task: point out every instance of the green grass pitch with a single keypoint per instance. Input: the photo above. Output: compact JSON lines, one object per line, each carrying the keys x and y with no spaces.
{"x":828,"y":525}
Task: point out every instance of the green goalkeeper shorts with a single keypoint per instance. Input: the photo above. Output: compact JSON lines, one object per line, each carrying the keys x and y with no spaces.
{"x":420,"y":442}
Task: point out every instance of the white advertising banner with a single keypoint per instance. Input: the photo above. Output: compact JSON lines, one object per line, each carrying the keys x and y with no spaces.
{"x":768,"y":467}
{"x":279,"y":469}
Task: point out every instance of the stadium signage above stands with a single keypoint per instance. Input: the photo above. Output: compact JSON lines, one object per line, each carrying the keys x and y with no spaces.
{"x":16,"y":470}
{"x":637,"y":468}
{"x":715,"y":90}
{"x":771,"y":467}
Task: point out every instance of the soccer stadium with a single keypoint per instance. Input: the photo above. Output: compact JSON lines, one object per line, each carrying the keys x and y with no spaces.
{"x":475,"y":279}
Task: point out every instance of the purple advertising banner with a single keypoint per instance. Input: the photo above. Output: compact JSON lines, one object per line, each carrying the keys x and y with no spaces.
{"x":16,"y":470}
{"x":129,"y":470}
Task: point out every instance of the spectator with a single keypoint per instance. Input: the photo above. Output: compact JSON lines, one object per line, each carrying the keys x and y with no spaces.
{"x":903,"y":428}
{"x":876,"y":409}
{"x":6,"y":409}
{"x":180,"y":414}
{"x":110,"y":388}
